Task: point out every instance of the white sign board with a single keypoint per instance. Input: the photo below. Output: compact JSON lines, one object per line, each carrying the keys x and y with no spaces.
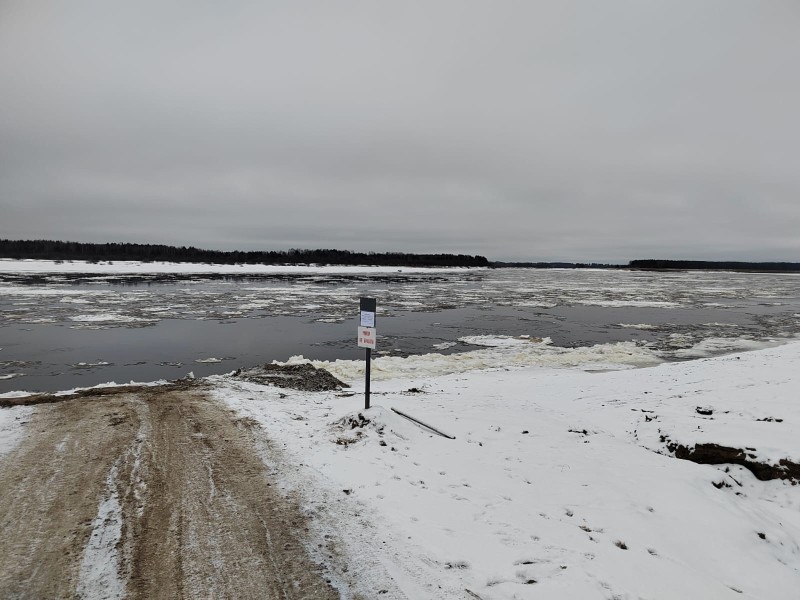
{"x":367,"y":337}
{"x":367,"y":319}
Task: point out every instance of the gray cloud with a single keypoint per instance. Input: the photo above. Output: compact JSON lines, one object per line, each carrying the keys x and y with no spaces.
{"x":521,"y":130}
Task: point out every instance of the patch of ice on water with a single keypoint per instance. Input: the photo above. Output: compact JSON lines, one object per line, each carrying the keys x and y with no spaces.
{"x":630,"y":303}
{"x":503,"y":341}
{"x":105,"y":318}
{"x":11,"y":376}
{"x":637,"y":325}
{"x":533,"y":304}
{"x":85,"y":365}
{"x":27,"y":291}
{"x":445,"y":345}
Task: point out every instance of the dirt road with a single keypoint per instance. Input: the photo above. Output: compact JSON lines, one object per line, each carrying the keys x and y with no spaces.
{"x":156,"y":493}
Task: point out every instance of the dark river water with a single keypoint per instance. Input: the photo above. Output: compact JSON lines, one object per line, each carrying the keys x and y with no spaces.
{"x":64,"y":331}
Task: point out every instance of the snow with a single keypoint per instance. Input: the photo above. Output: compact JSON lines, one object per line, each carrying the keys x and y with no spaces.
{"x":99,"y":571}
{"x":105,"y":557}
{"x":12,"y":427}
{"x":557,"y":485}
{"x":137,"y":267}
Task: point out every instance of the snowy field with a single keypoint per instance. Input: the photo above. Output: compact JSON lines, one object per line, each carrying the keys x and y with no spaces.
{"x":558,"y":484}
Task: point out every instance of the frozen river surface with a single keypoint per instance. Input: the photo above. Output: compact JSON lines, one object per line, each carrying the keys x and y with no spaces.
{"x":66,"y":329}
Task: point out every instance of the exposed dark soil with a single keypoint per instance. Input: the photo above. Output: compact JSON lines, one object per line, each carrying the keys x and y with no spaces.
{"x":303,"y":377}
{"x":714,"y":454}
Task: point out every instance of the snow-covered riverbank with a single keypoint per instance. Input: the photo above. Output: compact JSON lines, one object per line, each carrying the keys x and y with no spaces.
{"x":25,"y":266}
{"x":559,"y":484}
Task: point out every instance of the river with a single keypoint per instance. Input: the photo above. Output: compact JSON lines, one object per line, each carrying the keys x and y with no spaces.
{"x":63,"y":330}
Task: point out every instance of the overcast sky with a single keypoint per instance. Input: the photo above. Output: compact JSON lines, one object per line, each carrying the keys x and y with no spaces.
{"x":519,"y":130}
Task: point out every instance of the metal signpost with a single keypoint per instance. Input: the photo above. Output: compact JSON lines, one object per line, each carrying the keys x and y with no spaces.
{"x":367,"y":337}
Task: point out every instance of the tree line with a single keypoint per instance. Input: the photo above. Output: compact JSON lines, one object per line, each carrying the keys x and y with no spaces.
{"x":715,"y":265}
{"x":661,"y":264}
{"x":553,"y":265}
{"x":58,"y":250}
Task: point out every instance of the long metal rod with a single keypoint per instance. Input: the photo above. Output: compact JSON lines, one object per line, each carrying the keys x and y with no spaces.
{"x":366,"y":383}
{"x":418,"y":422}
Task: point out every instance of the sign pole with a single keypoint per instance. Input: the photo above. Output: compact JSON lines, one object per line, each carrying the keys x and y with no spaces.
{"x":367,"y":337}
{"x":366,"y":383}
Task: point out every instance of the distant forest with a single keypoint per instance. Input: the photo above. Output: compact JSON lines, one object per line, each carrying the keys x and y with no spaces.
{"x":657,"y":264}
{"x":713,"y":265}
{"x":554,"y":265}
{"x":53,"y":250}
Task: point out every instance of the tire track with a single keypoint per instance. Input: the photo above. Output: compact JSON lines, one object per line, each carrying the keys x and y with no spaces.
{"x":154,"y":494}
{"x":51,"y":484}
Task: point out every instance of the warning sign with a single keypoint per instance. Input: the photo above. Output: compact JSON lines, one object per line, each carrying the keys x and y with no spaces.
{"x":366,"y":337}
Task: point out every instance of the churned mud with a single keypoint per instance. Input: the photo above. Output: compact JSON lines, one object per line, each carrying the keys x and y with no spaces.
{"x":151,"y":493}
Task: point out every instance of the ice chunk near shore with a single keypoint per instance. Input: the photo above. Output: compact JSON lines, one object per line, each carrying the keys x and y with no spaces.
{"x":711,"y":346}
{"x":499,"y":352}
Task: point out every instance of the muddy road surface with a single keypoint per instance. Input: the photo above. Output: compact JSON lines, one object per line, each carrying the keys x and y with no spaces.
{"x":155,"y":493}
